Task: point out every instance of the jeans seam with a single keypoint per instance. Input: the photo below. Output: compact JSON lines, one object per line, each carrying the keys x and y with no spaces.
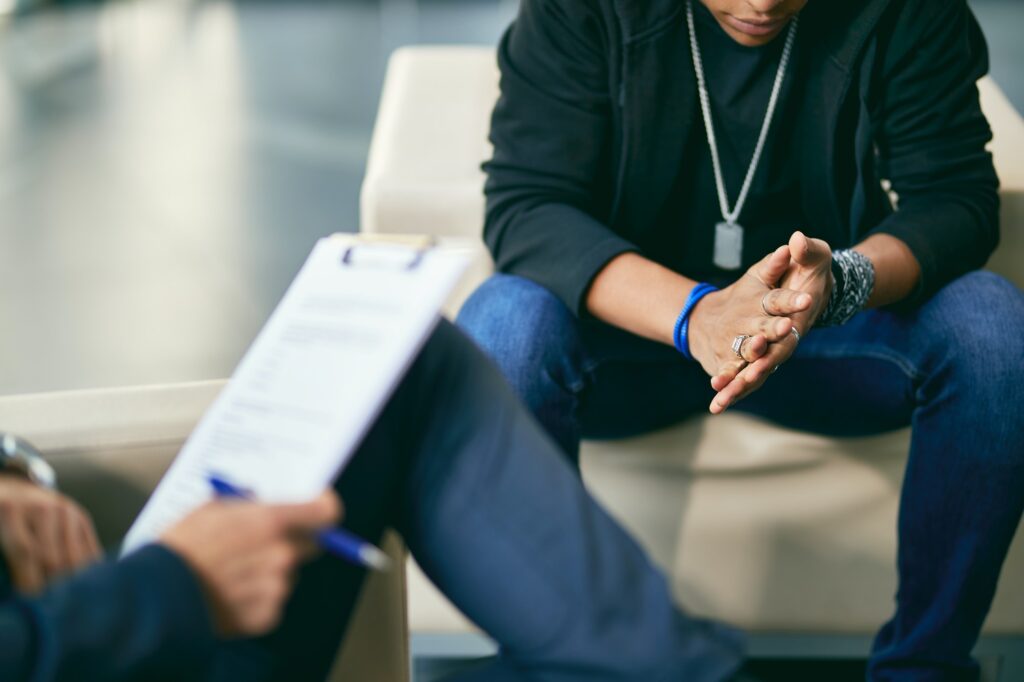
{"x":574,"y":387}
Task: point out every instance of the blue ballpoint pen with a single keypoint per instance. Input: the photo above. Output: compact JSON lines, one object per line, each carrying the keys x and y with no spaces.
{"x":337,"y":541}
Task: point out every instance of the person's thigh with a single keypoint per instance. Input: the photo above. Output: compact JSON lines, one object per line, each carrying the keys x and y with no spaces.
{"x":844,"y":381}
{"x":869,"y":375}
{"x":836,"y":395}
{"x":503,"y":525}
{"x":634,"y":385}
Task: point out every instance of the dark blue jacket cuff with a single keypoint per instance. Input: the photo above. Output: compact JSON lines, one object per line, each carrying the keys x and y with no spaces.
{"x":144,"y":616}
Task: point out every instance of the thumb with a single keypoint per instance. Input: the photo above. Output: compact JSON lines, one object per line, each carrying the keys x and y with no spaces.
{"x":325,"y":510}
{"x":773,"y":266}
{"x":806,"y":251}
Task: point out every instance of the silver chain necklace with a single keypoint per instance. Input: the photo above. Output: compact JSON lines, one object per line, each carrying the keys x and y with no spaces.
{"x":729,"y":234}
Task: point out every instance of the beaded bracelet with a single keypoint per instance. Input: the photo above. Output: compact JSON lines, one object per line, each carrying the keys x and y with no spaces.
{"x":679,"y":333}
{"x":854,"y":280}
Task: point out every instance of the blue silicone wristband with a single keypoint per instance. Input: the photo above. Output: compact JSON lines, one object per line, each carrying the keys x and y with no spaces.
{"x":679,"y":333}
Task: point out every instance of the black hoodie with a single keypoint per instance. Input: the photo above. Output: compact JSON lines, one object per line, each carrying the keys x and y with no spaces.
{"x":598,"y":103}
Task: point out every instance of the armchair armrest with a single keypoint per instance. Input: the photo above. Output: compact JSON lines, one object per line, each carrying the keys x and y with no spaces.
{"x":423,"y":172}
{"x":1007,"y":143}
{"x":109,"y":446}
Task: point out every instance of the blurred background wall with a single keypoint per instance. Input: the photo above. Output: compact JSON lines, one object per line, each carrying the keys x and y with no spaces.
{"x":166,"y":165}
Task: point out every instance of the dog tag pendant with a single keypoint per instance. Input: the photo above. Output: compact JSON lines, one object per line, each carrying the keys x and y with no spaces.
{"x":728,"y":246}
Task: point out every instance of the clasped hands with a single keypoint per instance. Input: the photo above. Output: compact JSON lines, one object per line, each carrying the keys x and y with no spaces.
{"x":786,"y":291}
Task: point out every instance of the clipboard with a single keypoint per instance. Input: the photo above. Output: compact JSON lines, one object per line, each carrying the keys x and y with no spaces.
{"x":418,"y":245}
{"x":316,"y":377}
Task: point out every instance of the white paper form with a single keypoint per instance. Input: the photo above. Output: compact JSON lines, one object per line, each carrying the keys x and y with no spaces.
{"x":313,"y":381}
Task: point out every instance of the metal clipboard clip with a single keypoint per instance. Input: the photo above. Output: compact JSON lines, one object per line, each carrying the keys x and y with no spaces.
{"x":419,"y":245}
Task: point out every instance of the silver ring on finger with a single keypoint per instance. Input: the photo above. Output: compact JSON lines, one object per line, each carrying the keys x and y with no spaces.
{"x":775,"y":369}
{"x":764,"y":306}
{"x":737,"y":345}
{"x":794,"y":332}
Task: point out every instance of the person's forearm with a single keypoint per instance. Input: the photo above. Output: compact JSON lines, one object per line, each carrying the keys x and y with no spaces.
{"x":640,"y":296}
{"x":896,"y":269}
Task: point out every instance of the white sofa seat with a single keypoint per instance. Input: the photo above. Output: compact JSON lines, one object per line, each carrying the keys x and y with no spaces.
{"x":776,"y":531}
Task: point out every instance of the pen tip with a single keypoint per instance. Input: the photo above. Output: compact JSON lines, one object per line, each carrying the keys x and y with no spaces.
{"x":375,"y":558}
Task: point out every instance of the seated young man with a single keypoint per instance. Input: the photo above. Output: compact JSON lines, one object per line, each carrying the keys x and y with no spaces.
{"x":647,"y":153}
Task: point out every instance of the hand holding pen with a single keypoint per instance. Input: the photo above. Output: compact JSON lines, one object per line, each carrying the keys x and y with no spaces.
{"x":336,"y":541}
{"x":245,"y":557}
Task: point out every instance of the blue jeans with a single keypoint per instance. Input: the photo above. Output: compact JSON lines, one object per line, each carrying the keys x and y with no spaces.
{"x":499,"y":520}
{"x":953,"y":369}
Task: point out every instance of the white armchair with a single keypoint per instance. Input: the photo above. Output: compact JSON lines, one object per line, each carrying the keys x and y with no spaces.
{"x":789,"y":535}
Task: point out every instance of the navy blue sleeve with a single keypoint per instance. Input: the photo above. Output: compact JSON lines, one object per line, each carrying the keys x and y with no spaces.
{"x":144,"y":616}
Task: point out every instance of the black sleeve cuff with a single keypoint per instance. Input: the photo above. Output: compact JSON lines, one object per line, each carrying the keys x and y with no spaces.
{"x":587,"y":267}
{"x":947,"y":238}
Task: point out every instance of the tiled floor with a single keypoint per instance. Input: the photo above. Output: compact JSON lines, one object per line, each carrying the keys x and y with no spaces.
{"x":165,"y":165}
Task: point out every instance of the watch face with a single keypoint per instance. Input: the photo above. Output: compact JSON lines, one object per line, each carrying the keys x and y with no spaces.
{"x":14,"y":447}
{"x":20,"y":455}
{"x":8,"y":445}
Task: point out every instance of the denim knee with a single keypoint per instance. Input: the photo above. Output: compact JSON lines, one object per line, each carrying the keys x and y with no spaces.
{"x":531,"y":335}
{"x":975,"y":326}
{"x":979,"y":321}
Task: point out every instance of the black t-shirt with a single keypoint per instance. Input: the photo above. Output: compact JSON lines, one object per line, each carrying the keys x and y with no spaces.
{"x":739,"y":81}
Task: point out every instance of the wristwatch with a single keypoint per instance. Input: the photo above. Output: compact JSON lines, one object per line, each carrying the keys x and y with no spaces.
{"x":18,"y":456}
